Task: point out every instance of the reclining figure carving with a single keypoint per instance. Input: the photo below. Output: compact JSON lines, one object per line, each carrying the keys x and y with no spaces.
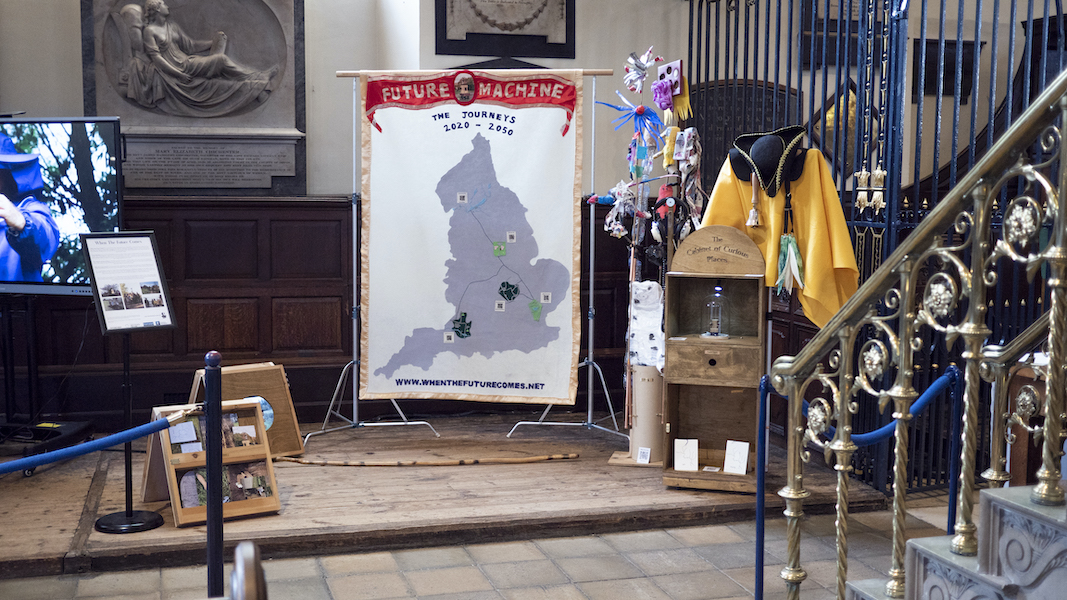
{"x":167,"y":70}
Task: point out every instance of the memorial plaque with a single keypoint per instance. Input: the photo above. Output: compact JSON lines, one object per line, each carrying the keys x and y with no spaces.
{"x":226,"y":116}
{"x":200,"y":164}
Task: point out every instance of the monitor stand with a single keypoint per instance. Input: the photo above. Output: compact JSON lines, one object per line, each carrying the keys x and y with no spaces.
{"x":43,"y":436}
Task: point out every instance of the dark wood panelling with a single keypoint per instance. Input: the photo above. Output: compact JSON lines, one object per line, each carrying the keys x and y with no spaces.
{"x":790,"y":332}
{"x":306,"y":249}
{"x":223,"y":324}
{"x":261,"y":279}
{"x":164,"y":241}
{"x":307,"y":323}
{"x":221,"y":249}
{"x":71,"y":334}
{"x":610,"y":306}
{"x":157,"y":341}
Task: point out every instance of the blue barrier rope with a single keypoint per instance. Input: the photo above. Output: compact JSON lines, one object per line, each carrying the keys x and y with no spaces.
{"x":32,"y":462}
{"x":951,"y":377}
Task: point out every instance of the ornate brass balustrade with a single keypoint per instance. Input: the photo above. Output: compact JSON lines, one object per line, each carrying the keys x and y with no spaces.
{"x":933,"y":288}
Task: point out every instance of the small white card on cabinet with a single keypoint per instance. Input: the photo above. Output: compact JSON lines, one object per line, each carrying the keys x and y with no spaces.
{"x":644,"y":455}
{"x":736,"y":457}
{"x":686,"y":455}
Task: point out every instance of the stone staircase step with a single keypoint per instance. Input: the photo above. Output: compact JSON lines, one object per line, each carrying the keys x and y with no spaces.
{"x":935,"y":572}
{"x":1023,"y":543}
{"x":866,"y":589}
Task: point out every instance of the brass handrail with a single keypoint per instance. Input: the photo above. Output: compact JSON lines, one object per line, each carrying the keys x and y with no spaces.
{"x":996,"y":370}
{"x":888,"y":302}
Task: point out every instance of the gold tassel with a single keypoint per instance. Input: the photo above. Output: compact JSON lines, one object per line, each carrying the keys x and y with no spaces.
{"x":862,"y":180}
{"x":753,"y":215}
{"x":681,"y":102}
{"x":878,"y":183}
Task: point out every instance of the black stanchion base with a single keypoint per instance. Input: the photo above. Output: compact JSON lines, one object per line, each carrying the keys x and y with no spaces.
{"x":135,"y":521}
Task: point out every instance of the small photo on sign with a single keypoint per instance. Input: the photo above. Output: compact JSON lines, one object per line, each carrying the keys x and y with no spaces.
{"x":450,"y":337}
{"x":499,"y":306}
{"x":546,"y":297}
{"x":461,"y":197}
{"x":512,"y":237}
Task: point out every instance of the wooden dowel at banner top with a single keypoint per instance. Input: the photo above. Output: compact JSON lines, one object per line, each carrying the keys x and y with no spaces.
{"x":213,"y":424}
{"x":585,"y":72}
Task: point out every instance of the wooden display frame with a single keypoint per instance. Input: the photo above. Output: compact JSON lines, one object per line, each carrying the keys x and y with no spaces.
{"x":711,"y":385}
{"x":167,"y":462}
{"x":268,"y":381}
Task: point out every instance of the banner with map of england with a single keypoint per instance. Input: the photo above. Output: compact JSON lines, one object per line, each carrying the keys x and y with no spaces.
{"x":471,"y":225}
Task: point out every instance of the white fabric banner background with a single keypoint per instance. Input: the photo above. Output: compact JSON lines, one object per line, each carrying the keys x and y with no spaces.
{"x":471,"y":215}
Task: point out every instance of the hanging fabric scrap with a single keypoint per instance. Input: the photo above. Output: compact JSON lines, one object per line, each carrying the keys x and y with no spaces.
{"x":637,"y":69}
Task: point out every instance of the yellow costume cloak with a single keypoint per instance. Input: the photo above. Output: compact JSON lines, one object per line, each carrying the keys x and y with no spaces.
{"x":830,"y":272}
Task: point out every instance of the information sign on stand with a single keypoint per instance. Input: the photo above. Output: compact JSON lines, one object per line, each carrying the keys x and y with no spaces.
{"x":128,"y":284}
{"x":131,"y":295}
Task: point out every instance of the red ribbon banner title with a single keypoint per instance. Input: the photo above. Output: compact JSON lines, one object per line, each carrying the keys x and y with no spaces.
{"x":467,"y":87}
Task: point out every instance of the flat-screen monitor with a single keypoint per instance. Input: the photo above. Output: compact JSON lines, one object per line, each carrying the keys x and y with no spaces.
{"x":59,"y":178}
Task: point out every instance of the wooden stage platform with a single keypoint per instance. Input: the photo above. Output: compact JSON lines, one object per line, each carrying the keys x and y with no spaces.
{"x":46,"y":521}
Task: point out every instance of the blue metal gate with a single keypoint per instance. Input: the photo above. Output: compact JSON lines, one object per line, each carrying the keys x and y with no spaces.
{"x":902,"y":97}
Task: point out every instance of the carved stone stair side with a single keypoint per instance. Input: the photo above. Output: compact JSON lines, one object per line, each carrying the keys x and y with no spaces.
{"x":1022,"y":555}
{"x":1023,"y":543}
{"x":934,"y":572}
{"x":866,"y":589}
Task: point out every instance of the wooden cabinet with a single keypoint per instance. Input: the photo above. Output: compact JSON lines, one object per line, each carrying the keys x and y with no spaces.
{"x":712,"y":382}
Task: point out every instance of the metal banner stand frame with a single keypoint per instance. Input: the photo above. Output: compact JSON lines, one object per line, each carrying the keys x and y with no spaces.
{"x":346,"y":372}
{"x":589,"y":423}
{"x":333,"y":410}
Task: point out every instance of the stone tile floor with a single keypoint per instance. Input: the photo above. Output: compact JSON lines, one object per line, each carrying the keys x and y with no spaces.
{"x":692,"y":563}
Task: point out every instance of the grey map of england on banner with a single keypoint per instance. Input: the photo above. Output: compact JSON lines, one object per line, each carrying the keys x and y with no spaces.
{"x":500,"y":291}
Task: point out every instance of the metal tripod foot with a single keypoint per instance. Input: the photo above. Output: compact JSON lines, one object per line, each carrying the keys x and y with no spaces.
{"x":334,"y":411}
{"x":588,"y":423}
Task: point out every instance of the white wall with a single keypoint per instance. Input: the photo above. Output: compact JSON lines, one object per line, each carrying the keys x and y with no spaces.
{"x":40,"y":66}
{"x":339,"y":35}
{"x":40,"y":57}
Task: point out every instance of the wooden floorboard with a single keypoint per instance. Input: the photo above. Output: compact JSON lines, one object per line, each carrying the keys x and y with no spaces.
{"x":332,"y":509}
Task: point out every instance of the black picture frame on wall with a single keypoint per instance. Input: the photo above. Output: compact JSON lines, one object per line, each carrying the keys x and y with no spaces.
{"x":505,"y":45}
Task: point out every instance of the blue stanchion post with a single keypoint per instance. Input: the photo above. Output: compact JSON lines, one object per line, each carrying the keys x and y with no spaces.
{"x":761,"y":480}
{"x":213,"y":424}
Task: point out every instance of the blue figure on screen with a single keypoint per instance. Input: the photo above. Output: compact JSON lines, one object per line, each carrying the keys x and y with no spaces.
{"x":30,"y":234}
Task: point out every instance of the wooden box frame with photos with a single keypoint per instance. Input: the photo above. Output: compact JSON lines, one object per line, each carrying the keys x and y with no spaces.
{"x":502,"y":44}
{"x":138,"y":249}
{"x":268,"y":381}
{"x":167,"y":461}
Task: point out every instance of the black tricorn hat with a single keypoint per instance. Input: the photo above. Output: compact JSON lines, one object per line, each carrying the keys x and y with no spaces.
{"x":774,"y":157}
